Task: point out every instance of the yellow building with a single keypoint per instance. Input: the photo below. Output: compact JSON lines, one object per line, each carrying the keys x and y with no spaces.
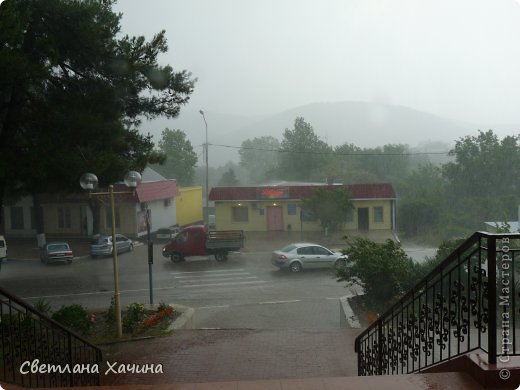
{"x":272,"y":208}
{"x":189,"y":205}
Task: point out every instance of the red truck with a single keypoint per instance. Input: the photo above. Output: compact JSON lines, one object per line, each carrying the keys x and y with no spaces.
{"x":197,"y":240}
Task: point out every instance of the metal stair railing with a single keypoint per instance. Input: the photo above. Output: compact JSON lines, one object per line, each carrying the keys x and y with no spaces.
{"x":469,"y":302}
{"x":36,"y":351}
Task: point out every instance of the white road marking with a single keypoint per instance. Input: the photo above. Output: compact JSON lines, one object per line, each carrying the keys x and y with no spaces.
{"x":194,"y":277}
{"x":200,"y":272}
{"x":216,"y":279}
{"x":222,"y":284}
{"x":97,"y":293}
{"x":213,"y":307}
{"x":276,"y":302}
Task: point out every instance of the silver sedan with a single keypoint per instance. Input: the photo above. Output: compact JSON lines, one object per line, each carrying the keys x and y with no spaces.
{"x":102,"y":245}
{"x":298,"y":256}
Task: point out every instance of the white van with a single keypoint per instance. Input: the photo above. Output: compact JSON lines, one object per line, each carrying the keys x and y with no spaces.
{"x":3,"y":249}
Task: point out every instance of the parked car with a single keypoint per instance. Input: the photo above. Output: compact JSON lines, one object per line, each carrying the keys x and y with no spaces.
{"x":56,"y":252}
{"x":298,"y":256}
{"x":167,"y":233}
{"x":102,"y":245}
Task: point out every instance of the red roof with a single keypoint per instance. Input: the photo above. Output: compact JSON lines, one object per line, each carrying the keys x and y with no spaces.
{"x":156,"y":190}
{"x":358,"y":191}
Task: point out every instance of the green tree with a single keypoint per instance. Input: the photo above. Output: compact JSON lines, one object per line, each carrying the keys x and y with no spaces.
{"x":422,"y":200}
{"x":330,"y":206}
{"x":485,"y":165}
{"x":483,"y":182}
{"x":228,"y":179}
{"x":259,"y":157}
{"x":384,"y":271}
{"x":302,"y":152}
{"x":387,"y":163}
{"x":72,"y":92}
{"x":345,"y":166}
{"x":180,"y":157}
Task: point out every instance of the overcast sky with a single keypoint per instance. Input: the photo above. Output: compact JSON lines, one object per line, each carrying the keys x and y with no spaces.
{"x":455,"y":58}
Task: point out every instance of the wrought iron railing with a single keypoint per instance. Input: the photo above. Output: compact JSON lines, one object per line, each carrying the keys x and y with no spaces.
{"x":36,"y":351}
{"x":469,"y":302}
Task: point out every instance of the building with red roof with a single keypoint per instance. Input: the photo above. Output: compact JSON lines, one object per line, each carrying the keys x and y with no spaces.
{"x":71,"y":214}
{"x":278,"y":207}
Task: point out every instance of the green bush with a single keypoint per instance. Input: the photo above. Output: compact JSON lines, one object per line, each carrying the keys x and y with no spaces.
{"x":74,"y":317}
{"x":384,"y":271}
{"x":134,"y":316}
{"x":443,"y":251}
{"x":42,"y":306}
{"x":111,"y":313}
{"x":162,"y":306}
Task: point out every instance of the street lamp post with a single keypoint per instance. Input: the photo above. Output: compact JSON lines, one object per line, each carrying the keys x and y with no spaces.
{"x":206,"y":212}
{"x":89,"y":182}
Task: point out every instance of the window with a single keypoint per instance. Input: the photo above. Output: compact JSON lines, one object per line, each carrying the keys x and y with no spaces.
{"x":17,"y":218}
{"x":109,"y":217}
{"x":320,"y":251}
{"x":291,"y":209}
{"x":64,"y":218}
{"x":240,"y":214}
{"x":378,"y":214}
{"x":306,"y":250}
{"x":307,"y":215}
{"x":350,"y":216}
{"x":183,"y":237}
{"x":33,"y":218}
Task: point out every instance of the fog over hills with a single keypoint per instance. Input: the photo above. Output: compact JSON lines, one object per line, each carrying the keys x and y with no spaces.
{"x":360,"y":123}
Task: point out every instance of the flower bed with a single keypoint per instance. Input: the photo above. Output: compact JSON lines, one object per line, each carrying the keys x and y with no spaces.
{"x":137,"y":322}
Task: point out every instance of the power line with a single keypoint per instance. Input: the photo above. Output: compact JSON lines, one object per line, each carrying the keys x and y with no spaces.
{"x":331,"y":153}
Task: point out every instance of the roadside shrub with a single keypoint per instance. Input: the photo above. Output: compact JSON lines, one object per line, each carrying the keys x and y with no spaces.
{"x":384,"y":271}
{"x":162,"y":306}
{"x":134,"y":315}
{"x":74,"y":317}
{"x":443,"y":251}
{"x":42,"y":306}
{"x":111,"y":313}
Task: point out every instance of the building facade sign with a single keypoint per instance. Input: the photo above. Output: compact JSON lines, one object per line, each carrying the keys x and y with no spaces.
{"x":272,"y":193}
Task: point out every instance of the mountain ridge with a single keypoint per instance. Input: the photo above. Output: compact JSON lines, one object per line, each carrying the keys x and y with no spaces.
{"x":360,"y":123}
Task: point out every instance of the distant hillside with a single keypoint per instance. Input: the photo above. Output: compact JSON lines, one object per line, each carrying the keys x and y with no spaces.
{"x":363,"y":124}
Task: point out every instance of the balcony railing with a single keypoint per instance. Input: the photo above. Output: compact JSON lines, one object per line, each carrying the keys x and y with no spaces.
{"x":36,"y":351}
{"x":469,"y":302}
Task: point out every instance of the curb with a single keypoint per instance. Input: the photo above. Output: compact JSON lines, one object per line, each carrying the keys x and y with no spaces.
{"x":185,"y":321}
{"x":347,"y":316}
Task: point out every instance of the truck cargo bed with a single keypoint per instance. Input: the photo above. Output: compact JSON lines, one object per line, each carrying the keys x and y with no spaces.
{"x":229,"y":239}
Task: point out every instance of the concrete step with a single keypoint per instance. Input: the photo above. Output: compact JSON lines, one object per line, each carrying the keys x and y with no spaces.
{"x":504,"y":374}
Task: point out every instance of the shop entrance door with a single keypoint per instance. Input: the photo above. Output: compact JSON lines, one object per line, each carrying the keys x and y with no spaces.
{"x":363,"y":218}
{"x":275,"y":218}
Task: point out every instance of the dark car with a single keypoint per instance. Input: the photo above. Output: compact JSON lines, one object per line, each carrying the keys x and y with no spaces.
{"x":102,"y":245}
{"x":56,"y":252}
